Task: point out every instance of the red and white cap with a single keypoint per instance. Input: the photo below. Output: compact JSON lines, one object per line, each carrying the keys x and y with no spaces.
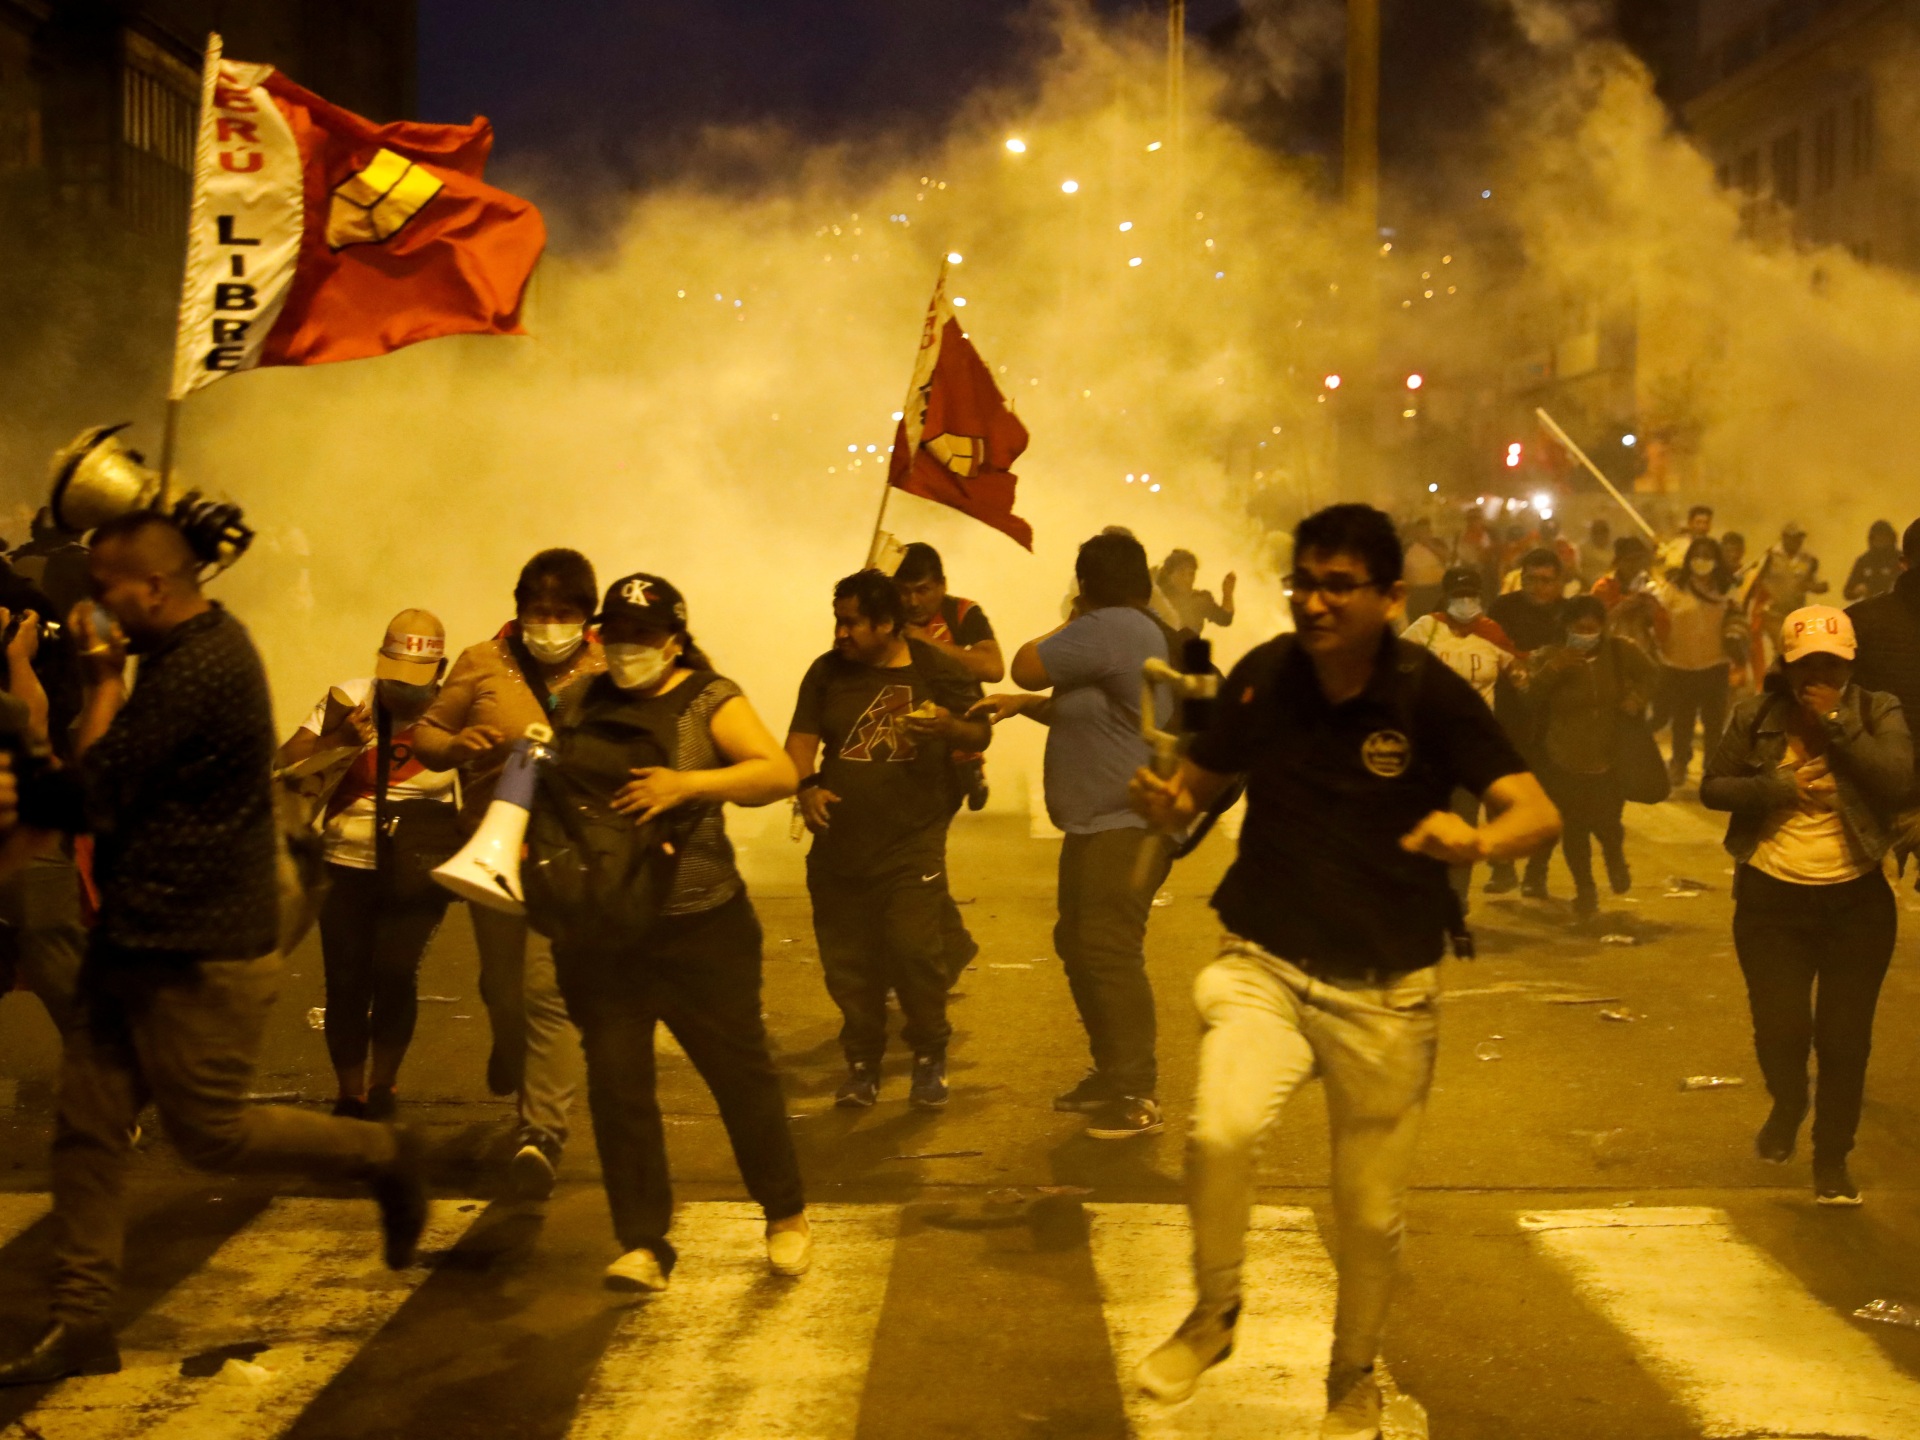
{"x":416,"y":643}
{"x":1817,"y":630}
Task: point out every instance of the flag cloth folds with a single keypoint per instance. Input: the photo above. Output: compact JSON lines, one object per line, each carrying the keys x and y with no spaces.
{"x":956,"y":439}
{"x":316,"y":235}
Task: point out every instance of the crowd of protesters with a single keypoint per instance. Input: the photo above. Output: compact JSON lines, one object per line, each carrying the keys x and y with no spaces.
{"x":144,"y":891}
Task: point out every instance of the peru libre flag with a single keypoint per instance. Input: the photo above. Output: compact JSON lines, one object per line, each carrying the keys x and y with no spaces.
{"x":315,"y":235}
{"x":957,"y":438}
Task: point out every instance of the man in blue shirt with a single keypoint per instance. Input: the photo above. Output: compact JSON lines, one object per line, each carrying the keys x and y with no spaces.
{"x":1092,"y":665}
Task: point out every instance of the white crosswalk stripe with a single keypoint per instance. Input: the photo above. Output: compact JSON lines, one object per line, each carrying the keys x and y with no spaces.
{"x":303,"y":1278}
{"x":1731,"y":1334}
{"x":1272,"y":1387}
{"x":731,"y":1349}
{"x":20,"y":1211}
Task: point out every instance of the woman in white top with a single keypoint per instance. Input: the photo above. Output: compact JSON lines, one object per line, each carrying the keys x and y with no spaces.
{"x":1696,"y":667}
{"x":1813,"y":769}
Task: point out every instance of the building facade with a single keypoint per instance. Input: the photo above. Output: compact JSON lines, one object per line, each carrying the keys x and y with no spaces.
{"x":98,"y":99}
{"x":1803,"y":106}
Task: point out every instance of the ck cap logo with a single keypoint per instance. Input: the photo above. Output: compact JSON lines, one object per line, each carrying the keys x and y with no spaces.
{"x":637,"y":592}
{"x":1387,"y":753}
{"x":370,"y":207}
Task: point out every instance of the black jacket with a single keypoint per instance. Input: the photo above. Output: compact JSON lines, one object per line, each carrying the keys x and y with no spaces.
{"x":1888,"y":630}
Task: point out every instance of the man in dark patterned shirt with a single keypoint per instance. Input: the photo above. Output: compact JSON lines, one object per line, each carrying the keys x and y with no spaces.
{"x":182,"y":970}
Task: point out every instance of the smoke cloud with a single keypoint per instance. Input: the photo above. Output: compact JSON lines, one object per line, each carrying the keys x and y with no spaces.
{"x":710,"y":393}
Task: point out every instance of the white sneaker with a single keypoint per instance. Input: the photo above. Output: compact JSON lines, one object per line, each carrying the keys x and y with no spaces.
{"x":1355,"y":1413}
{"x":530,"y":1173}
{"x":1203,"y":1340}
{"x":790,"y":1252}
{"x":637,"y":1270}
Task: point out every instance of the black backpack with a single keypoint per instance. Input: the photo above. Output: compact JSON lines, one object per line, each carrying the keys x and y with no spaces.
{"x":592,"y":875}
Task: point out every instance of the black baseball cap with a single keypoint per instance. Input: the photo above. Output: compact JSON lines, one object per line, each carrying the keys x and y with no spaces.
{"x":1462,"y":580}
{"x":644,"y":600}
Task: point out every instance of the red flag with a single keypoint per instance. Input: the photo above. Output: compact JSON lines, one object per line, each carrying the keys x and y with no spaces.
{"x":957,"y":439}
{"x":317,"y":235}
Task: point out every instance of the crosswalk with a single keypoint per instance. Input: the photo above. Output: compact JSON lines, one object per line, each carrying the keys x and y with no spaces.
{"x":243,"y":1345}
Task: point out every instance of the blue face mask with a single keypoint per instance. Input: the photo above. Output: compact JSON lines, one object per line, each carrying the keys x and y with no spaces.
{"x":1585,"y":644}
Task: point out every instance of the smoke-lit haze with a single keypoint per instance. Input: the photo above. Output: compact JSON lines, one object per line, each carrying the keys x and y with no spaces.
{"x":711,"y":395}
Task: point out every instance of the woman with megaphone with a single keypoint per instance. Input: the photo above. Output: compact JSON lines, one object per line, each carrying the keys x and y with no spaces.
{"x":630,"y":872}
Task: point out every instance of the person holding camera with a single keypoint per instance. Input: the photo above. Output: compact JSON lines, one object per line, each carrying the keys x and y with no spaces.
{"x":630,"y":871}
{"x":42,"y":938}
{"x":388,"y":821}
{"x":494,"y":692}
{"x":181,"y":969}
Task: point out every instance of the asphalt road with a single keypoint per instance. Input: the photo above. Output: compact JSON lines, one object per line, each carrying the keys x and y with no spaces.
{"x":1593,"y":1252}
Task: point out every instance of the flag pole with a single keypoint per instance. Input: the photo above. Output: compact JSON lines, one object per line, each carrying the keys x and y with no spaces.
{"x":873,"y":545}
{"x":202,"y":162}
{"x":1594,"y":470}
{"x":922,"y":374}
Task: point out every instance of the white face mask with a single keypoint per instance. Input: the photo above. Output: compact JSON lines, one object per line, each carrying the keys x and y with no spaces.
{"x":1702,"y":566}
{"x":550,"y":644}
{"x":636,"y":667}
{"x":1464,"y":608}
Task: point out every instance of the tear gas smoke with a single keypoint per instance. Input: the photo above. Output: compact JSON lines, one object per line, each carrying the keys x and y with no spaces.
{"x":711,"y":396}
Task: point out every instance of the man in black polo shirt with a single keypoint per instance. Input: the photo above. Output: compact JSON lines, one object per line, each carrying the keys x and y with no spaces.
{"x":181,"y":969}
{"x":1337,"y":910}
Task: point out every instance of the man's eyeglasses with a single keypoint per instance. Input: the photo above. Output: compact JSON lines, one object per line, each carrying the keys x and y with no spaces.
{"x":1335,"y":589}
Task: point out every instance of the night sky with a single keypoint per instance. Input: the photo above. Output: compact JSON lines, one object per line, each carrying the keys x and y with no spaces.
{"x":604,"y":93}
{"x":623,"y":81}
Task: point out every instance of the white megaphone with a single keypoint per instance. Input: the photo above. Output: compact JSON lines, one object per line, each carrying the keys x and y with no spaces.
{"x":487,"y":869}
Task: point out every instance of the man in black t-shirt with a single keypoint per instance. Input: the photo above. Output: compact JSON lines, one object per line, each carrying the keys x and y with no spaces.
{"x":1337,"y":910}
{"x":888,"y":711}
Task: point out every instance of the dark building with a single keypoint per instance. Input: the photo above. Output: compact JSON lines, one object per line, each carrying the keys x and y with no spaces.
{"x":1805,"y":107}
{"x":99,"y":98}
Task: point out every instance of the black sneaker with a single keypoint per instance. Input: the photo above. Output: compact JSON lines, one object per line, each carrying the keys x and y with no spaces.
{"x":1503,"y":880}
{"x":1832,"y":1185}
{"x":1126,"y":1117}
{"x":1586,"y":903}
{"x":929,"y":1089}
{"x":976,"y":782}
{"x":1533,"y":889}
{"x":1619,"y":877}
{"x":1774,"y":1144}
{"x":350,"y":1107}
{"x":860,"y":1089}
{"x":64,"y":1348}
{"x":401,"y":1192}
{"x":1093,"y":1092}
{"x":381,"y":1103}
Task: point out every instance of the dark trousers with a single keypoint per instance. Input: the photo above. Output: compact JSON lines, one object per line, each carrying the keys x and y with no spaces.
{"x":1701,"y":695}
{"x":958,"y":947}
{"x":887,"y":932}
{"x":185,"y":1034}
{"x":1101,"y":938}
{"x":371,"y":946}
{"x":41,"y":937}
{"x":1590,"y":809}
{"x":1794,"y":940}
{"x":700,"y":976}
